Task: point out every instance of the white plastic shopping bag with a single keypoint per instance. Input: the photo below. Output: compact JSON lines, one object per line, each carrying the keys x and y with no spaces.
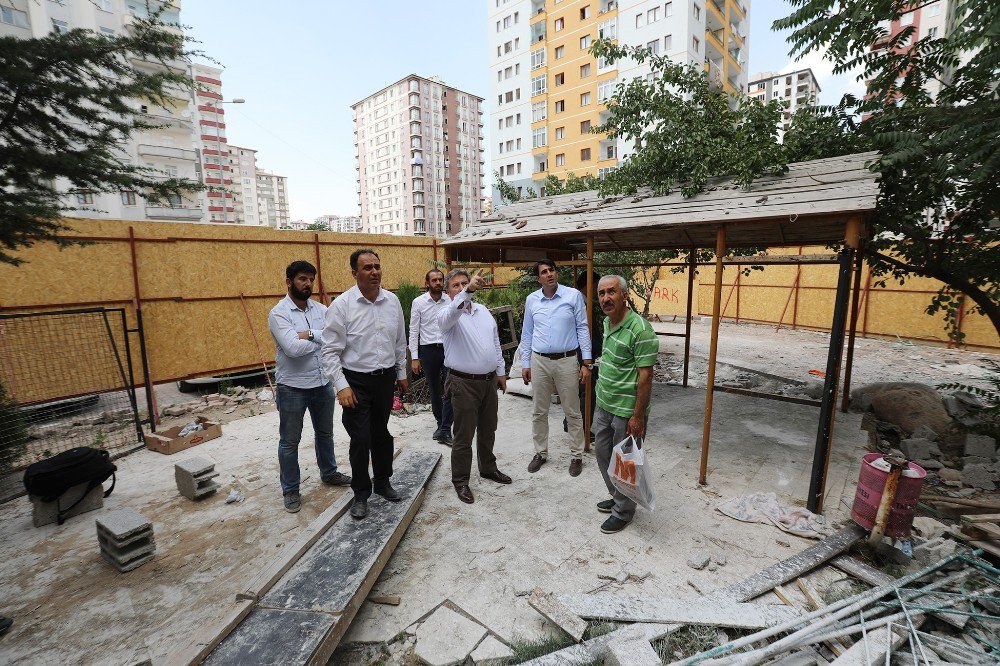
{"x":630,"y":473}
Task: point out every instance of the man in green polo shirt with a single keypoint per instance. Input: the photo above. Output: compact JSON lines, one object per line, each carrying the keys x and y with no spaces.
{"x":623,"y":388}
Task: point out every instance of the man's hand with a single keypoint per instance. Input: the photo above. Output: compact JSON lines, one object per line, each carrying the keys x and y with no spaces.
{"x":404,"y":385}
{"x":526,"y":375}
{"x":477,"y":280}
{"x":636,"y":427}
{"x":304,"y":335}
{"x":346,"y":398}
{"x":415,"y":366}
{"x":502,"y":381}
{"x":584,"y":374}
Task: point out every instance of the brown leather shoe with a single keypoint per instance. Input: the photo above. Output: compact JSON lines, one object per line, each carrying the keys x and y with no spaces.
{"x":497,"y":476}
{"x":536,"y":463}
{"x":575,"y":466}
{"x":465,"y":494}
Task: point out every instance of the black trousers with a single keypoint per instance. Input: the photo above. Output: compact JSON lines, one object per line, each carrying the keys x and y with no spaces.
{"x":367,"y":424}
{"x":432,"y":360}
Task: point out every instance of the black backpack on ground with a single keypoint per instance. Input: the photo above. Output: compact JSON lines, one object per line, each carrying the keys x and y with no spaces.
{"x":48,"y":479}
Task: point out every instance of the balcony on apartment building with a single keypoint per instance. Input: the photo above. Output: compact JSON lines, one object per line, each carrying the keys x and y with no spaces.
{"x":538,"y":32}
{"x":607,"y":5}
{"x":537,"y":11}
{"x":716,"y":11}
{"x":167,"y":151}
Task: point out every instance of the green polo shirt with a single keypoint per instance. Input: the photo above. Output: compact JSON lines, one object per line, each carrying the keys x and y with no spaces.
{"x":630,"y":345}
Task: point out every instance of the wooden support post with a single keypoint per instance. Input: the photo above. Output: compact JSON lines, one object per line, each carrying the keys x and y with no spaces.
{"x":588,"y":391}
{"x":319,"y":273}
{"x":448,"y":252}
{"x":795,"y":302}
{"x":706,"y":432}
{"x":824,"y":433}
{"x":852,"y":331}
{"x":692,"y":269}
{"x":739,"y":274}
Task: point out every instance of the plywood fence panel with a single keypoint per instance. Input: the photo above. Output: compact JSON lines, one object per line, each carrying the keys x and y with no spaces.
{"x":901,"y":313}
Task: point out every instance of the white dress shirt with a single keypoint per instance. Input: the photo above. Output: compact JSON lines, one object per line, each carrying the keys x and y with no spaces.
{"x":424,"y":329}
{"x":297,"y":361}
{"x":363,"y":336}
{"x":471,"y":339}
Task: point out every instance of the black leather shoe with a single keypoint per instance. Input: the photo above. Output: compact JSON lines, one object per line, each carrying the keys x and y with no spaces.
{"x":497,"y":476}
{"x":606,"y":506}
{"x":389,"y":493}
{"x":465,"y":493}
{"x":337,"y":479}
{"x":359,"y":509}
{"x":536,"y":463}
{"x":575,"y":466}
{"x":613,"y":524}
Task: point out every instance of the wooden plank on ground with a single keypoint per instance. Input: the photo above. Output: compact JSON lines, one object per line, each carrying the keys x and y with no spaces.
{"x":386,"y":599}
{"x":327,"y":585}
{"x":788,"y":569}
{"x":209,"y":638}
{"x":982,"y":518}
{"x":553,"y":610}
{"x":991,"y":530}
{"x":628,"y":608}
{"x":813,"y":602}
{"x":877,"y":642}
{"x":862,"y":571}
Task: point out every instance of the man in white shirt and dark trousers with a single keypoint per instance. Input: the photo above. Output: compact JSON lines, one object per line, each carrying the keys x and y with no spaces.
{"x":364,"y":354}
{"x":555,"y":326}
{"x":427,"y":350}
{"x":475,"y":370}
{"x":296,"y":324}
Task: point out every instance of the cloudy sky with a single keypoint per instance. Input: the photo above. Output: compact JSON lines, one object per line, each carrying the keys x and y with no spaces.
{"x":300,"y":66}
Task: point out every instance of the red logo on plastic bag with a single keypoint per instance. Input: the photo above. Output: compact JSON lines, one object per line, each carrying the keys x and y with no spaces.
{"x":624,"y":469}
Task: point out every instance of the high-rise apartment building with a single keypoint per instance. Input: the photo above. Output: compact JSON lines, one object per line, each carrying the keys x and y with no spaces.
{"x":419,"y":158}
{"x":218,"y":200}
{"x":243,"y":162}
{"x":344,"y":224}
{"x":929,"y":20}
{"x":793,"y":89}
{"x":272,"y":200}
{"x":549,"y":92}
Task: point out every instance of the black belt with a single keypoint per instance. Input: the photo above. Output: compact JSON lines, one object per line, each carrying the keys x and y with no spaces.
{"x":434,"y":344}
{"x":466,"y":375}
{"x":373,"y":373}
{"x":557,"y":355}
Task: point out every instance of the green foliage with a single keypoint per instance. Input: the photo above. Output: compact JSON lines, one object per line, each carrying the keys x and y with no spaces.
{"x":67,"y":103}
{"x":318,"y":226}
{"x":13,"y":432}
{"x":940,"y":156}
{"x":819,"y":132}
{"x":572,"y":184}
{"x":989,"y":416}
{"x":508,"y":193}
{"x":406,"y":291}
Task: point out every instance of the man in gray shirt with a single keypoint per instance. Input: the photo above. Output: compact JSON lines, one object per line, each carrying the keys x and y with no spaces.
{"x":296,"y":324}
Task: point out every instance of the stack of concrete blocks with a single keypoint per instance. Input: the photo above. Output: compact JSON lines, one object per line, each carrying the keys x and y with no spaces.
{"x":126,"y":539}
{"x":195,"y":476}
{"x":44,"y":513}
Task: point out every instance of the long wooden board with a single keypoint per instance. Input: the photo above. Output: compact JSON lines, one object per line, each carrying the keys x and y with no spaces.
{"x":303,"y":616}
{"x":629,"y":608}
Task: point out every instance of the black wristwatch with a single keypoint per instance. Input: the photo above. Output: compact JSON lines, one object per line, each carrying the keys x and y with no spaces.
{"x":311,"y":336}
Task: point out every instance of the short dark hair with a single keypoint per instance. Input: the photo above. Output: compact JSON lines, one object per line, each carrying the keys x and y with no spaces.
{"x":581,"y":281}
{"x":544,"y":262}
{"x":300,"y":266}
{"x":427,"y":278}
{"x":357,"y":253}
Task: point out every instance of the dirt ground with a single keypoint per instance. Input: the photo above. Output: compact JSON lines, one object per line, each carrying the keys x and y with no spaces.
{"x":71,"y":607}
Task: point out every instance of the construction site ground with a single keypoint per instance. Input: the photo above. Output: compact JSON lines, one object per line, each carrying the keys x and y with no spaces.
{"x":69,"y":606}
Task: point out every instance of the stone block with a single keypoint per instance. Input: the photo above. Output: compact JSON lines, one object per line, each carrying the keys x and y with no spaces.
{"x":175,"y":410}
{"x":699,"y":559}
{"x":194,"y":477}
{"x":46,"y":513}
{"x":979,"y":476}
{"x":634,"y":652}
{"x":129,"y":565}
{"x":925,"y":432}
{"x":930,"y":464}
{"x":980,"y":445}
{"x":968,"y":461}
{"x":491,"y":652}
{"x":120,"y":524}
{"x":446,"y":638}
{"x":920,"y":449}
{"x":126,"y":539}
{"x":195,"y":466}
{"x":134,"y":549}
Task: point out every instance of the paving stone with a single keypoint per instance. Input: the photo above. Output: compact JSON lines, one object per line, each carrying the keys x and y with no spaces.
{"x":491,"y":652}
{"x":447,"y":638}
{"x":979,"y":476}
{"x":123,"y":523}
{"x":980,"y":445}
{"x":920,"y":449}
{"x":46,"y":513}
{"x":699,"y":559}
{"x":631,"y":653}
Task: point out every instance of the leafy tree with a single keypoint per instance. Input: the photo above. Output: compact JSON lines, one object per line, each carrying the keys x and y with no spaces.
{"x":318,"y":226}
{"x":940,"y":155}
{"x":68,"y":103}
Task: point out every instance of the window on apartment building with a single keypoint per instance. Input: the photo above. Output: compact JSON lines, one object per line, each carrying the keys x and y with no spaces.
{"x":696,"y":12}
{"x":107,"y":32}
{"x":537,"y":58}
{"x":932,"y":33}
{"x":653,"y":15}
{"x":560,"y":106}
{"x":517,"y":43}
{"x":560,"y":132}
{"x":906,"y":19}
{"x":500,"y":148}
{"x":539,"y":137}
{"x":560,"y":52}
{"x":510,"y":169}
{"x":128,"y":198}
{"x":608,"y":29}
{"x":509,"y":121}
{"x":506,"y":21}
{"x":517,"y":93}
{"x":538,"y":84}
{"x":585,"y":99}
{"x":585,"y":127}
{"x":499,"y":101}
{"x":498,"y":26}
{"x":517,"y":70}
{"x":696,"y":44}
{"x":668,"y":43}
{"x":510,"y":145}
{"x":774,"y":95}
{"x":516,"y":14}
{"x":558,"y":24}
{"x":508,"y":72}
{"x":639,"y":19}
{"x":668,"y":9}
{"x":654,"y":46}
{"x":933,"y":9}
{"x":584,"y":13}
{"x":761,"y":86}
{"x":561,"y":159}
{"x":61,"y":27}
{"x":519,"y":144}
{"x":609,"y":152}
{"x":538,"y":111}
{"x":508,"y":96}
{"x":508,"y":47}
{"x":585,"y":154}
{"x":518,"y":170}
{"x":605,"y":89}
{"x":585,"y":42}
{"x":518,"y":119}
{"x":14,"y":17}
{"x":500,"y":124}
{"x":499,"y":51}
{"x":584,"y":71}
{"x":559,"y":79}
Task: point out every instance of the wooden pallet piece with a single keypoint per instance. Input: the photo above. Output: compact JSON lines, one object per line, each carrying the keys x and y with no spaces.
{"x":628,"y":608}
{"x":304,"y":615}
{"x":556,"y":612}
{"x":878,"y":639}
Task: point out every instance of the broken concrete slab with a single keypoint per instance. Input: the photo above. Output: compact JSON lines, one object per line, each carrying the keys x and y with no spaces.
{"x":46,"y":513}
{"x":195,"y":466}
{"x":595,"y":649}
{"x":629,"y":608}
{"x":491,"y":652}
{"x":925,"y":432}
{"x":980,"y":445}
{"x":446,"y":638}
{"x":920,"y":449}
{"x":979,"y":476}
{"x":631,"y":653}
{"x":553,"y":610}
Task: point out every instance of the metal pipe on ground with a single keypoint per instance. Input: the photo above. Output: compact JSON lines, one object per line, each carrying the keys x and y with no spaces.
{"x":896,"y":466}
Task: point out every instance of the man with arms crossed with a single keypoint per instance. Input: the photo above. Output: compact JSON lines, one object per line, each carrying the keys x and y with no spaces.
{"x":364,"y":354}
{"x":296,"y":324}
{"x":475,"y":370}
{"x":623,"y":388}
{"x":555,"y":326}
{"x":427,"y":350}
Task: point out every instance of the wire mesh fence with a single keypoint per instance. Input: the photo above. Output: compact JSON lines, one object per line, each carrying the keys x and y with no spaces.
{"x":66,"y":380}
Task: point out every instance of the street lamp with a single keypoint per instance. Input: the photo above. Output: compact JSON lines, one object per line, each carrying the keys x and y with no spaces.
{"x":218,"y":142}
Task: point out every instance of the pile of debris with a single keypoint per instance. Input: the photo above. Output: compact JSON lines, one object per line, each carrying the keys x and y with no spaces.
{"x":233,"y":397}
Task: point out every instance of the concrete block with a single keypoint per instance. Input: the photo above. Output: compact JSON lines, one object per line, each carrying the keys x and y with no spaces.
{"x":195,"y":466}
{"x":130,"y":551}
{"x":122,"y":567}
{"x":120,"y":524}
{"x":46,"y":513}
{"x":979,"y":476}
{"x":631,"y":653}
{"x":920,"y":449}
{"x":446,"y":638}
{"x":194,"y":477}
{"x":492,"y":652}
{"x":980,"y":445}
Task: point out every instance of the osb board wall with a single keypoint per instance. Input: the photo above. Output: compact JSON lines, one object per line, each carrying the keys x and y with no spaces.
{"x":186,"y":336}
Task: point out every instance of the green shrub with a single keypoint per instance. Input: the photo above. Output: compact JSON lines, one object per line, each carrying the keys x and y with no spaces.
{"x":406,"y":291}
{"x":13,"y":432}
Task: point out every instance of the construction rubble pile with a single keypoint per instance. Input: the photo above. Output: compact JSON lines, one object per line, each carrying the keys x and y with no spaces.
{"x":231,"y":398}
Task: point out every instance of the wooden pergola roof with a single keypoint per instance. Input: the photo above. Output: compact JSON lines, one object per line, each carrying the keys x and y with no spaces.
{"x":809,"y":204}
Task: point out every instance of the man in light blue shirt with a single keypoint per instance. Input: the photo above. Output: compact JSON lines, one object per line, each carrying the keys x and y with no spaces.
{"x":555,"y":327}
{"x":296,"y":324}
